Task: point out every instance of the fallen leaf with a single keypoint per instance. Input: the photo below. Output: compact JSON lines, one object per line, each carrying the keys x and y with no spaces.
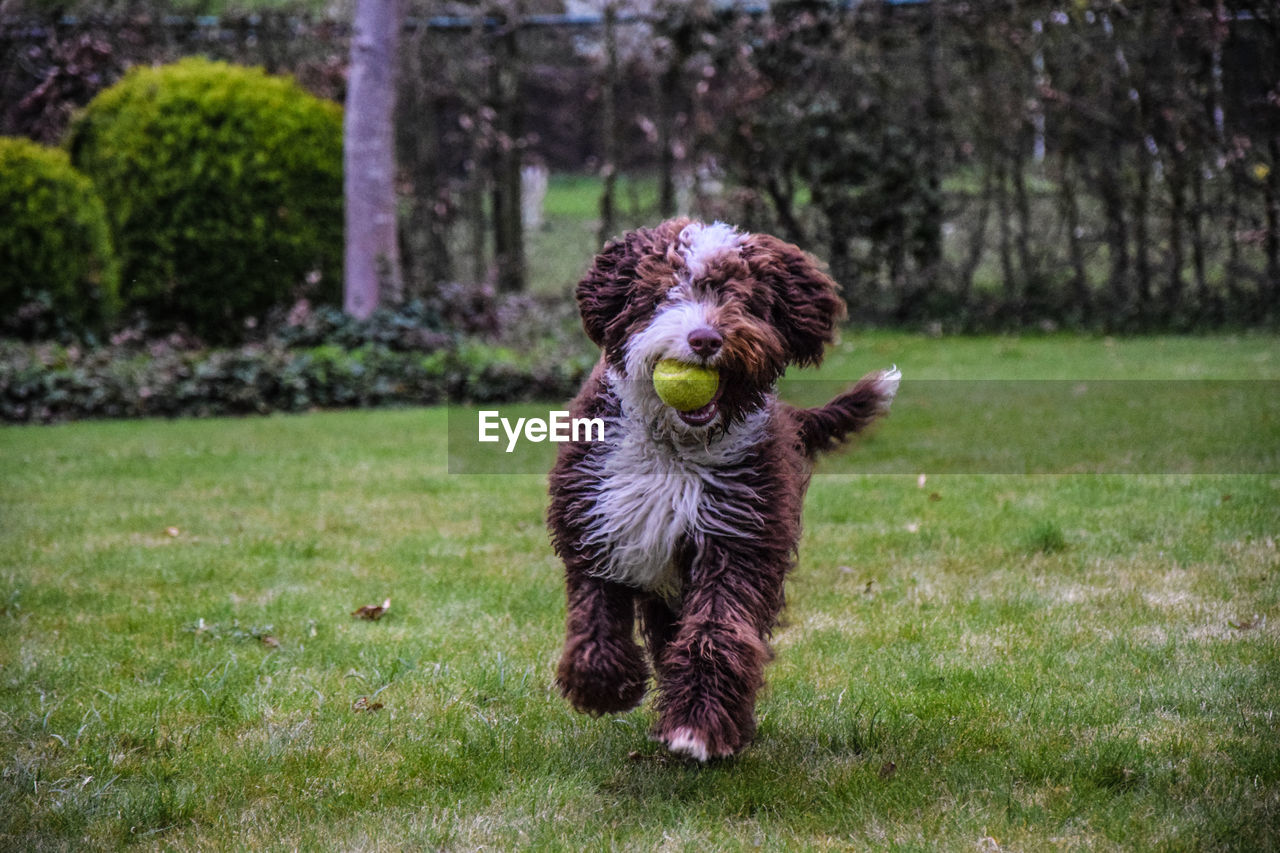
{"x":867,"y":591}
{"x":363,"y":704}
{"x":269,"y":641}
{"x":372,"y":612}
{"x":1247,"y":624}
{"x":935,"y":497}
{"x":1226,"y":498}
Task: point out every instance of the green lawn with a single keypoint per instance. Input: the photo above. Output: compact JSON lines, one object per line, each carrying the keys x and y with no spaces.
{"x":975,"y":661}
{"x":561,"y":250}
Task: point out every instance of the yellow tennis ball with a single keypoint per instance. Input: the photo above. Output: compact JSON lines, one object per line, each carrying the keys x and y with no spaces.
{"x":685,"y":387}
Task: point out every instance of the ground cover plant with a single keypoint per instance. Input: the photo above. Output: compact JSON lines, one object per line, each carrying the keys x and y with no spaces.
{"x":969,"y":661}
{"x":464,"y":344}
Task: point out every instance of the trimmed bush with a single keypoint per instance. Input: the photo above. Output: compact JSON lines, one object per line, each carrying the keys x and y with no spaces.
{"x":224,"y":190}
{"x":57,"y":267}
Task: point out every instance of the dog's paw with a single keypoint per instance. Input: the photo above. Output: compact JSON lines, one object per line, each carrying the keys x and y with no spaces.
{"x":687,"y":742}
{"x":603,"y":678}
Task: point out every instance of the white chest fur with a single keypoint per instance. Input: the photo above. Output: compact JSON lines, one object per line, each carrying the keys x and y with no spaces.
{"x":650,"y":495}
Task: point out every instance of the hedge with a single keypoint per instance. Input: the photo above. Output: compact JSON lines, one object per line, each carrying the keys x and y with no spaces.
{"x":51,"y":382}
{"x":425,"y":352}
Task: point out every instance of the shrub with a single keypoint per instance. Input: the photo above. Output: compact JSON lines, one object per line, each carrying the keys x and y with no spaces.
{"x":57,"y":267}
{"x":224,"y":189}
{"x":415,"y":326}
{"x":305,"y":359}
{"x":47,"y":383}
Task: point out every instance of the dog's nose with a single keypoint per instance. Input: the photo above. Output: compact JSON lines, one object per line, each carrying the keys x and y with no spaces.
{"x":705,"y":341}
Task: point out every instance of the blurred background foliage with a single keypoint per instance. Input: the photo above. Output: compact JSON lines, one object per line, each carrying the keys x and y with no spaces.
{"x":1084,"y":164}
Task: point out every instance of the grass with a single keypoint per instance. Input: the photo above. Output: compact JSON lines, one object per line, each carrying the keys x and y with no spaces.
{"x":969,"y":662}
{"x":560,"y":251}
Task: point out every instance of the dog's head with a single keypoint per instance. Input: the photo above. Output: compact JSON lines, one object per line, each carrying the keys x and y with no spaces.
{"x":745,"y":304}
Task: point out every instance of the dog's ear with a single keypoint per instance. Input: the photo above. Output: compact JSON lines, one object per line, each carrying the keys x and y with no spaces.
{"x":602,"y":292}
{"x":627,"y":279}
{"x":807,"y":307}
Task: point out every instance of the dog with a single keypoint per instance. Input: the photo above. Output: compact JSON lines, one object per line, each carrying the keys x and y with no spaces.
{"x":687,"y":522}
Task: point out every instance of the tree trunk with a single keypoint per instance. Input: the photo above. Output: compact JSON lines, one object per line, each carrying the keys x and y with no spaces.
{"x":1141,"y":239}
{"x":373,"y":274}
{"x":425,"y":257}
{"x":1271,"y":242}
{"x":1012,"y":291}
{"x":1203,"y":300}
{"x":1075,"y":250}
{"x":1032,"y":284}
{"x":977,"y":241}
{"x":508,"y":226}
{"x":665,"y":85}
{"x":929,"y":250}
{"x":609,"y":126}
{"x":1116,"y":233}
{"x":1175,"y":295}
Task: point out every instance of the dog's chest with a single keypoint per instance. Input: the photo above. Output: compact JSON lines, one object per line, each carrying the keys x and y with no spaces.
{"x":648,"y":499}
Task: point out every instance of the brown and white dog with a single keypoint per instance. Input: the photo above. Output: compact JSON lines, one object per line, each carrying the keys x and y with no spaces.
{"x":689,"y":521}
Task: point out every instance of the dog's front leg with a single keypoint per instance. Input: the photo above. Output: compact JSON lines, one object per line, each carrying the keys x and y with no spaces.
{"x":713,"y":668}
{"x":602,"y":670}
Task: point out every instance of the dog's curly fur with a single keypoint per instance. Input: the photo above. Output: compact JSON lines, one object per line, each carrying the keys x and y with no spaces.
{"x":688,"y":522}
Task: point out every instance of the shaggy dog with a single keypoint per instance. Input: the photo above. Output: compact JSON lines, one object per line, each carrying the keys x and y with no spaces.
{"x":688,"y":521}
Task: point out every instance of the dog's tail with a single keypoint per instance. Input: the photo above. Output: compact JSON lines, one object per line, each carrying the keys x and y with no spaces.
{"x":826,"y":427}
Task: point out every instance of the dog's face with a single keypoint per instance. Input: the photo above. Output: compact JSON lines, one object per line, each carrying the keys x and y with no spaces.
{"x":745,"y":304}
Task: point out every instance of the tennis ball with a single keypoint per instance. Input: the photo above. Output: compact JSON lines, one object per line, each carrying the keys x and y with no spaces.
{"x":685,"y":387}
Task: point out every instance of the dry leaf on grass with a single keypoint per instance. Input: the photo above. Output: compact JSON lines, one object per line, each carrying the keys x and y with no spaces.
{"x":363,"y":704}
{"x":372,"y":612}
